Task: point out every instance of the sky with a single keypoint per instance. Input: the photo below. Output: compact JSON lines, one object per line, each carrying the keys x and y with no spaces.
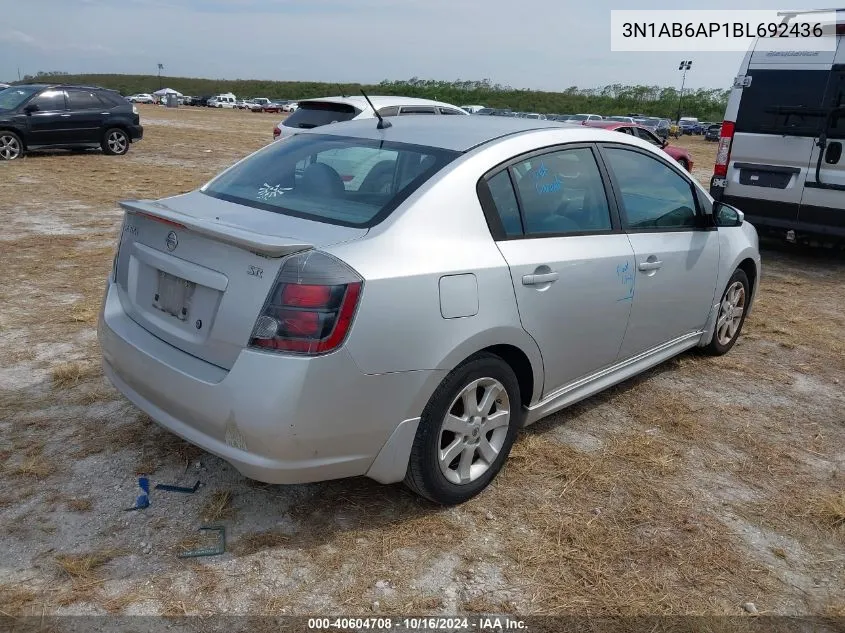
{"x":542,"y":46}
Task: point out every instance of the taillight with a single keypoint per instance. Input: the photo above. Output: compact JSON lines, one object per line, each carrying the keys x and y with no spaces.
{"x":276,"y":133}
{"x":723,"y":154}
{"x":311,"y":306}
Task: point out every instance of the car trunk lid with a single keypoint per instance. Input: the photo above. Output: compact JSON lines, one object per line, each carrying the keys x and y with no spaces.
{"x":195,"y":271}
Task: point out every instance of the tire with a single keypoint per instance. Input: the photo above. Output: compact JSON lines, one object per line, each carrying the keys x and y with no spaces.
{"x":11,"y":145}
{"x":727,"y":328}
{"x":115,"y":142}
{"x":471,"y":466}
{"x":683,"y":163}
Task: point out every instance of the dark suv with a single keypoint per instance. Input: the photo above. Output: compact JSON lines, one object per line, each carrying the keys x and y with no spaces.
{"x":65,"y":117}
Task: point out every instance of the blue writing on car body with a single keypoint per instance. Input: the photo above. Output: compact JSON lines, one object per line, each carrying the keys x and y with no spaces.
{"x":626,"y":278}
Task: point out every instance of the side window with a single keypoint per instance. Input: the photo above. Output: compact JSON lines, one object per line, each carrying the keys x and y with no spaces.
{"x":625,"y":130}
{"x":654,"y":196}
{"x":449,"y":111}
{"x":417,"y":110}
{"x":82,"y":100}
{"x":506,"y":205}
{"x":50,"y":100}
{"x":389,"y":111}
{"x":562,"y":192}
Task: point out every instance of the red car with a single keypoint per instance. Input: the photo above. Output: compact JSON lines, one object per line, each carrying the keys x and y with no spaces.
{"x":678,"y":153}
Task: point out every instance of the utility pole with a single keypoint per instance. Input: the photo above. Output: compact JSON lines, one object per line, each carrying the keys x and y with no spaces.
{"x":160,"y":68}
{"x":19,"y":73}
{"x":685,"y":66}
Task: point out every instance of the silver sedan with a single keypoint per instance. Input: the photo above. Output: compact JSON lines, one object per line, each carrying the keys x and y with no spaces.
{"x":398,"y":301}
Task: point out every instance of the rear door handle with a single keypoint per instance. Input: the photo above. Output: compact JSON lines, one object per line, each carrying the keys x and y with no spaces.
{"x":536,"y":280}
{"x":653,"y":265}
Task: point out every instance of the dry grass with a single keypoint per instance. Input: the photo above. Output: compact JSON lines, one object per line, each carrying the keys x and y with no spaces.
{"x":80,"y":505}
{"x":218,"y":507}
{"x":252,"y":543}
{"x":70,"y":374}
{"x":828,"y":509}
{"x":36,"y":466}
{"x":86,"y":566}
{"x":15,"y":600}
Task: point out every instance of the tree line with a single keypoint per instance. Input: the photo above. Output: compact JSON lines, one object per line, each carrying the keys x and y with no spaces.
{"x":706,"y":104}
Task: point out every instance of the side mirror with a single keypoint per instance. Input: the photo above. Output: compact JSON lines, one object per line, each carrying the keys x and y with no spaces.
{"x":30,"y":108}
{"x":726,"y":215}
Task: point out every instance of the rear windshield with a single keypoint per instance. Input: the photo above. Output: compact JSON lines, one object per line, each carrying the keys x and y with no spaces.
{"x":333,"y":179}
{"x":316,"y":113}
{"x":784,"y":102}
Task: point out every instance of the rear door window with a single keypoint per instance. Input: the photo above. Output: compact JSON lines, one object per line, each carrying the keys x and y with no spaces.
{"x":449,"y":111}
{"x":339,"y":180}
{"x":783,"y":102}
{"x":82,"y":100}
{"x":311,"y":114}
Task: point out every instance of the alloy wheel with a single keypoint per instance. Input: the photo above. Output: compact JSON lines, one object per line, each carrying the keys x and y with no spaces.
{"x":730,"y":313}
{"x":117,"y":142}
{"x":10,"y":147}
{"x":474,"y":430}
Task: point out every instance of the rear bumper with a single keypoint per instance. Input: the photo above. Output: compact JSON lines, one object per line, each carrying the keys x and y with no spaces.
{"x":278,"y":419}
{"x":136,"y":132}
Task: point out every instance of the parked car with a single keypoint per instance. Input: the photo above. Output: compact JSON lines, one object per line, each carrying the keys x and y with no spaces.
{"x":290,"y":106}
{"x":141,"y":98}
{"x":620,"y":119}
{"x":271,"y":339}
{"x":472,"y":109}
{"x":40,"y":116}
{"x":3,"y":86}
{"x":690,"y":126}
{"x":201,"y":102}
{"x":579,"y":118}
{"x":681,"y":155}
{"x":316,"y":112}
{"x":713,"y":132}
{"x":227,"y":100}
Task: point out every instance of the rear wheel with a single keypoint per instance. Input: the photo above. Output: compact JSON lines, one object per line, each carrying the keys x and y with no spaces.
{"x":731,"y":316}
{"x":466,"y":431}
{"x":11,"y":146}
{"x":115,"y":142}
{"x":683,"y":163}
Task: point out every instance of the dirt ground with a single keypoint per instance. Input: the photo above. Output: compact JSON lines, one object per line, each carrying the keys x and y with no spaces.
{"x":700,"y":486}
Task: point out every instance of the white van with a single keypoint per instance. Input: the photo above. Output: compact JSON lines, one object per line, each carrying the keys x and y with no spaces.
{"x":780,"y":158}
{"x":227,"y":100}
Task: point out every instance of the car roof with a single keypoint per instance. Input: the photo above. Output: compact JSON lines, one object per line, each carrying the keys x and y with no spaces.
{"x":458,"y":134}
{"x":381,"y":101}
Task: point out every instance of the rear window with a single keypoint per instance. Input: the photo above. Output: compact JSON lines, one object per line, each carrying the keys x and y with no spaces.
{"x":786,"y":102}
{"x":333,"y":179}
{"x":317,"y":113}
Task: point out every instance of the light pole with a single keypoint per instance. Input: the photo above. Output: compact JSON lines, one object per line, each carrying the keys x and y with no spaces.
{"x":160,"y":68}
{"x":685,"y":65}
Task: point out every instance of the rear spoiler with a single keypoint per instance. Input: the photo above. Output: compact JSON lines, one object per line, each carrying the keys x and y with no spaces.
{"x":260,"y":243}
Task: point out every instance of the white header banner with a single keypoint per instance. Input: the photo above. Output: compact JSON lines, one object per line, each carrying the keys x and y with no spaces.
{"x":693,"y":31}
